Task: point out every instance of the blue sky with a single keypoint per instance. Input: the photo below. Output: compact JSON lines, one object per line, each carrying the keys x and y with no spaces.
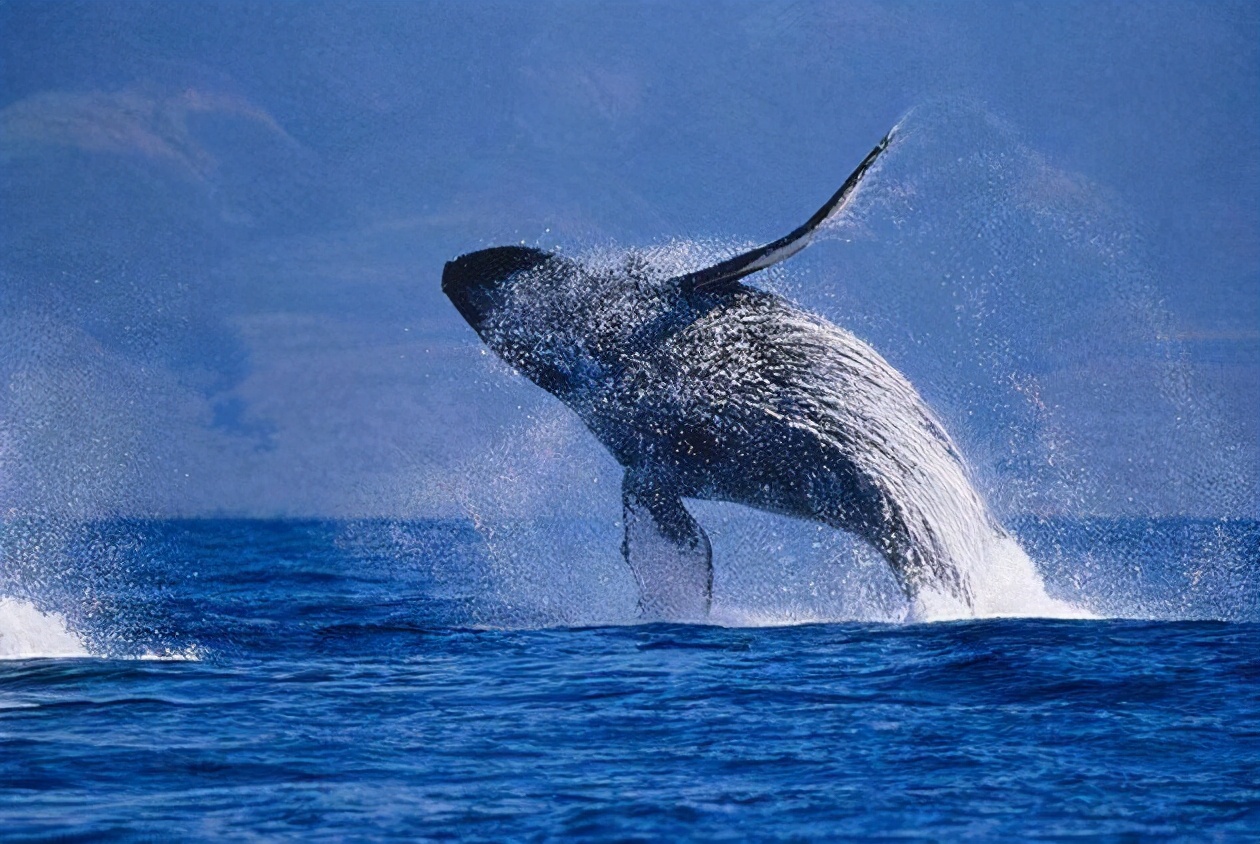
{"x":225,"y":224}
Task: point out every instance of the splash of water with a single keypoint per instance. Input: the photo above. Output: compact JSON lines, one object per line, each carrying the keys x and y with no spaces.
{"x":903,"y":444}
{"x":27,"y":633}
{"x":71,"y":588}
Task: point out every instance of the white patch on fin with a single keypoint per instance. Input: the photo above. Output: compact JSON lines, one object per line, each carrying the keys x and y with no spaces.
{"x":668,"y":552}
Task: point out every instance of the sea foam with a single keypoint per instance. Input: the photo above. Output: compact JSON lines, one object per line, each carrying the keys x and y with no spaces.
{"x":28,"y":633}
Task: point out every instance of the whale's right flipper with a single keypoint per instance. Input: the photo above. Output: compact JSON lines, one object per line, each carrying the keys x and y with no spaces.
{"x":715,"y":278}
{"x":667,"y":551}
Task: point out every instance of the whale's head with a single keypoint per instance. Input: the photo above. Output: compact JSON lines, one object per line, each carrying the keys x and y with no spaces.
{"x":558,"y":322}
{"x":479,"y":284}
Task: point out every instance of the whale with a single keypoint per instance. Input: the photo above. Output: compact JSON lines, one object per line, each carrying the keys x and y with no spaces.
{"x":704,"y":387}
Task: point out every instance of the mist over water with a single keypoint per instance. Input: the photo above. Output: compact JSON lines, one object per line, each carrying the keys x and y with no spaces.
{"x":1072,"y":380}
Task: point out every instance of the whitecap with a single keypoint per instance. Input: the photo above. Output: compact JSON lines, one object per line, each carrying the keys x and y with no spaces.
{"x":28,"y":633}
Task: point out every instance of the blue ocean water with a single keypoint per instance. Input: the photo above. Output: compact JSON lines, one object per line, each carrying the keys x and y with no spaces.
{"x":310,"y":680}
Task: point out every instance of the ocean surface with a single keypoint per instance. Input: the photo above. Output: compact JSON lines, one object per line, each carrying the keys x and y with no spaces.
{"x":247,"y":680}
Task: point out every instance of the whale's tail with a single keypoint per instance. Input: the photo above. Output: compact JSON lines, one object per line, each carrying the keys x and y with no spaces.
{"x":714,"y":278}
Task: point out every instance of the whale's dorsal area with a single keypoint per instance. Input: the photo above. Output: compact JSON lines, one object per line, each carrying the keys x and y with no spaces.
{"x":704,"y":388}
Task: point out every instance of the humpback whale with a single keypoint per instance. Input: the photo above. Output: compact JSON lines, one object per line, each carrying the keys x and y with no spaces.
{"x":703,"y":387}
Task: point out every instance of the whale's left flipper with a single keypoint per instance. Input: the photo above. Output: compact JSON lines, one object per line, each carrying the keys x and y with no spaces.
{"x":714,"y":278}
{"x":667,"y":551}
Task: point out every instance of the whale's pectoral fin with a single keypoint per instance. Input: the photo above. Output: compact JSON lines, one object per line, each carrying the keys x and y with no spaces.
{"x":715,"y":278}
{"x":667,"y":551}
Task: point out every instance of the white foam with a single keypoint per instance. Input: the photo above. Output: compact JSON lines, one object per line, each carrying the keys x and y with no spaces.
{"x":192,"y":653}
{"x":1005,"y":584}
{"x":27,"y":633}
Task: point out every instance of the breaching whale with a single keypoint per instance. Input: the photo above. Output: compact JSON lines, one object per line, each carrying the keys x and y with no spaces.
{"x":702,"y":387}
